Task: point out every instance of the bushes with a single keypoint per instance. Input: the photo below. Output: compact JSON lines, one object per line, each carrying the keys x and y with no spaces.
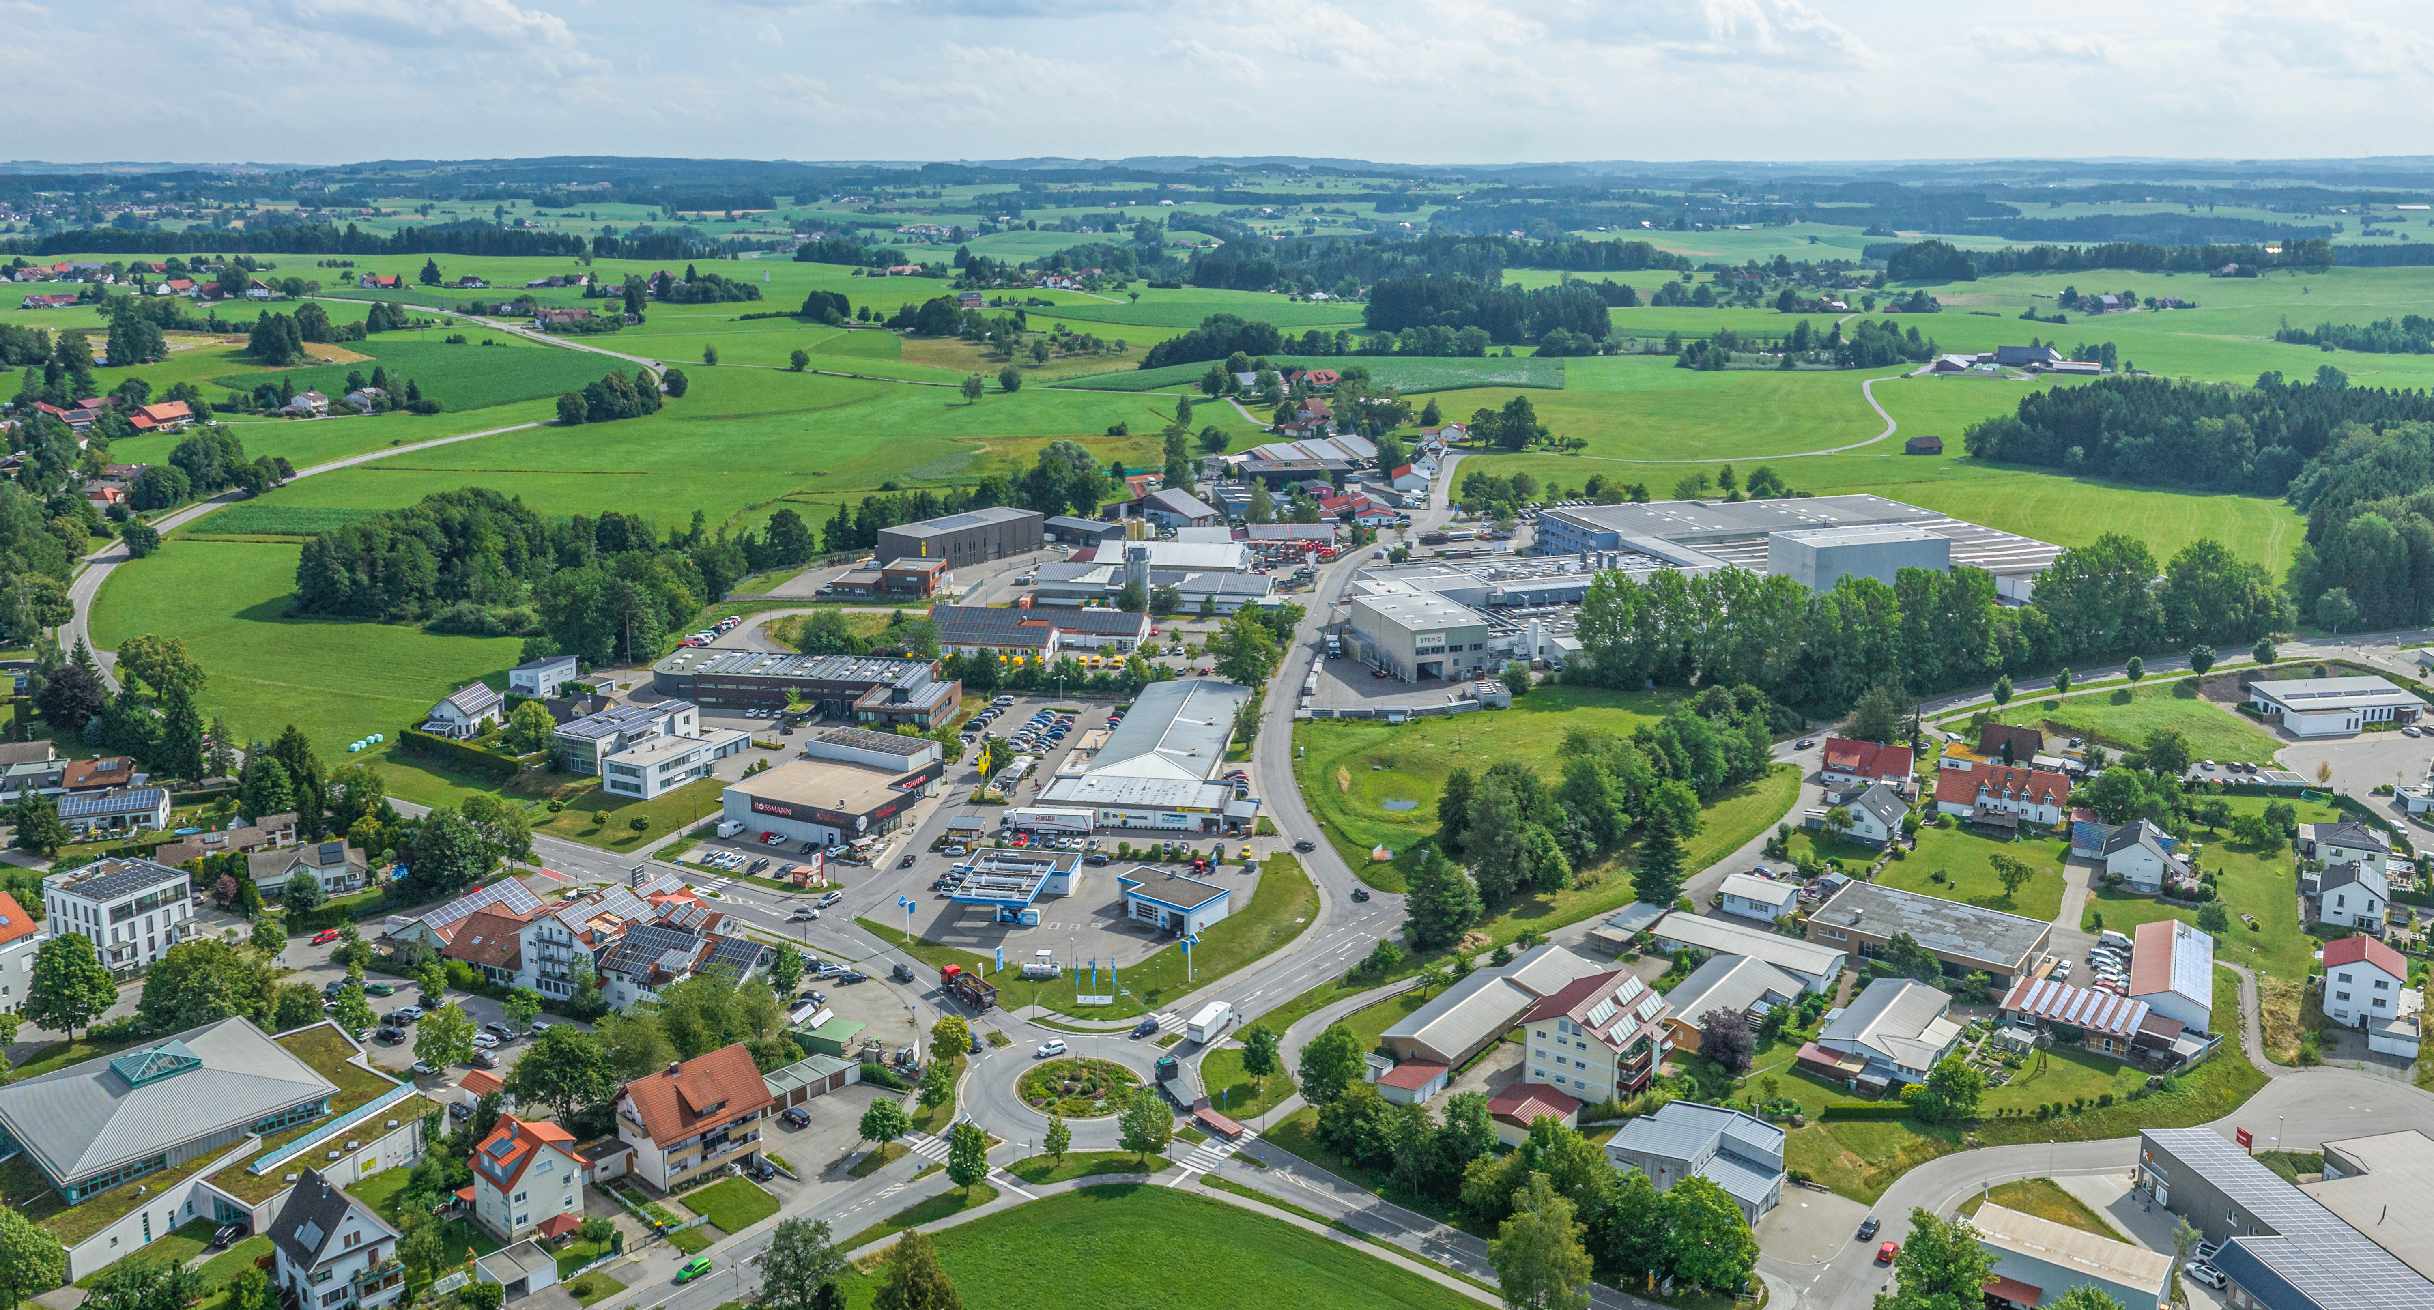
{"x":456,"y":754}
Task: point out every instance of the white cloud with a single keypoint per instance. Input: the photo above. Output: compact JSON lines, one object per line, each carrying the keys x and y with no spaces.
{"x":2011,"y":43}
{"x":432,"y":23}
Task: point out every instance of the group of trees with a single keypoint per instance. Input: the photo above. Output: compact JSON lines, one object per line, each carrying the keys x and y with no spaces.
{"x":1941,"y":261}
{"x":1517,"y":835}
{"x":1565,"y":1213}
{"x":613,"y":397}
{"x":2412,"y":334}
{"x":472,"y":560}
{"x":1927,"y":631}
{"x":1507,"y":313}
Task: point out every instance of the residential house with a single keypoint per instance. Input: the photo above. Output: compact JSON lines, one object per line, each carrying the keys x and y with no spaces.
{"x":1753,"y":897}
{"x":1734,"y":983}
{"x":20,"y":937}
{"x":1175,"y":507}
{"x":2366,"y":986}
{"x":339,"y":868}
{"x":2353,"y":894}
{"x":333,"y":1252}
{"x":1874,"y":816}
{"x":1599,"y":1038}
{"x":167,"y":416}
{"x":693,"y":1118}
{"x":2010,"y":743}
{"x":379,"y":281}
{"x":685,"y":940}
{"x":101,"y":773}
{"x":30,"y":767}
{"x":1479,"y":1008}
{"x":2105,"y":1022}
{"x":2141,"y":857}
{"x":584,"y":745}
{"x":467,"y":712}
{"x":1685,"y":1139}
{"x":1892,"y":1033}
{"x":307,"y":404}
{"x":541,"y":678}
{"x":2345,"y":842}
{"x":527,"y":1179}
{"x":2003,"y":795}
{"x":491,"y":940}
{"x":1848,"y":762}
{"x":116,"y":812}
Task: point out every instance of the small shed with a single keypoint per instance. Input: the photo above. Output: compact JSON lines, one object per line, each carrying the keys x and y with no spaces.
{"x":834,"y":1037}
{"x":1929,"y":445}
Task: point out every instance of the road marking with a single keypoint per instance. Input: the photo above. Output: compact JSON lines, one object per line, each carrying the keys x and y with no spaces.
{"x":929,"y":1148}
{"x":1208,"y":1155}
{"x":1006,"y":1181}
{"x":1183,"y":1177}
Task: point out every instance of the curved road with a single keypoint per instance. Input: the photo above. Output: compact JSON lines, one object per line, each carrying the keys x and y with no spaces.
{"x":1867,"y":392}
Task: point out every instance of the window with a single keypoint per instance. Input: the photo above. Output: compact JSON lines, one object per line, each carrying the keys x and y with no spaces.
{"x":2341,"y":996}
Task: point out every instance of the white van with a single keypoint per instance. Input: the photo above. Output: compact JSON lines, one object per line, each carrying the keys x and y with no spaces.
{"x":2118,"y":941}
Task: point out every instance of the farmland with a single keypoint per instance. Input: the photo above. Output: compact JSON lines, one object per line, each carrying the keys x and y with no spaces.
{"x":461,"y":376}
{"x":1404,"y":373}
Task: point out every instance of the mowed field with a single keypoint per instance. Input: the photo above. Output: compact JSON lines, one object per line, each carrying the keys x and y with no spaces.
{"x":1132,"y":1245}
{"x":336,"y":680}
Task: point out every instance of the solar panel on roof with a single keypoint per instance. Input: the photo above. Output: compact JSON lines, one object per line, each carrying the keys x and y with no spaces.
{"x":507,"y":894}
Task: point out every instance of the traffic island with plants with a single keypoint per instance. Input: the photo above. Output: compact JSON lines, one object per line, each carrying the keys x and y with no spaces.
{"x":1077,"y":1088}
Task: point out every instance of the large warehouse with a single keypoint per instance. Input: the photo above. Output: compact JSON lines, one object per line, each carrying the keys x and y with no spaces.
{"x":1418,"y":635}
{"x":825,"y":802}
{"x":1822,"y":538}
{"x":1155,"y":769}
{"x":866,"y":688}
{"x":972,"y":537}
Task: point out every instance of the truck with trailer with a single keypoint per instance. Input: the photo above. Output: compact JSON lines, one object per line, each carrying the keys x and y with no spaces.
{"x":967,"y":987}
{"x":1171,"y":1082}
{"x":1210,"y":1023}
{"x":1050,"y":819}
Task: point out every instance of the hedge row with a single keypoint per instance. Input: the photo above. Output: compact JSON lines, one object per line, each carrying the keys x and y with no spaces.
{"x":456,"y":754}
{"x":1885,"y":1113}
{"x":354,"y":907}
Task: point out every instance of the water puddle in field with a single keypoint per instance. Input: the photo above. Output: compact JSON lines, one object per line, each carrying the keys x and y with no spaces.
{"x":1399,"y":805}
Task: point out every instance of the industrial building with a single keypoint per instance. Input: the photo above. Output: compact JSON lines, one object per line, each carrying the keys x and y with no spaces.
{"x":1742,"y":534}
{"x":1483,"y":1005}
{"x":1418,"y":635}
{"x":1864,"y":916}
{"x":1155,"y":769}
{"x":1036,"y":632}
{"x":1170,"y":902}
{"x":2331,"y":707}
{"x":1816,"y":966}
{"x":824,"y":802}
{"x":2038,"y":1261}
{"x":911,"y":576}
{"x":1207,"y":576}
{"x":865,"y":688}
{"x":972,"y":537}
{"x":2283,"y":1248}
{"x":873,"y":750}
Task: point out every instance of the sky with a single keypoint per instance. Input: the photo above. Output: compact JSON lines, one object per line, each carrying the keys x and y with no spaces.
{"x":1417,"y":81}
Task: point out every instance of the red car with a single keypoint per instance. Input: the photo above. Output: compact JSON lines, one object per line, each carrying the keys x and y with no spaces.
{"x":1886,"y":1252}
{"x":325,"y":937}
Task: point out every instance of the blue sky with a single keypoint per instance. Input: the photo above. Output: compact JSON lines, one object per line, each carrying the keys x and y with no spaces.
{"x":1428,"y":81}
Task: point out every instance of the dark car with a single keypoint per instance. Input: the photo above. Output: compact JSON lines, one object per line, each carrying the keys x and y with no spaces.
{"x":796,"y":1116}
{"x":1867,"y":1228}
{"x":902,"y":973}
{"x":1360,"y":894}
{"x":227,"y":1236}
{"x":905,"y":863}
{"x":390,"y":1036}
{"x":1146,"y":1027}
{"x":764,"y":1170}
{"x":1305,"y":846}
{"x":976,"y":1045}
{"x":852,"y":976}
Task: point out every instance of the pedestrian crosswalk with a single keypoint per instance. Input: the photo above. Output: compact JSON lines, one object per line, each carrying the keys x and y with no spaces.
{"x":929,"y":1148}
{"x":1206,"y":1157}
{"x":1168,"y":1022}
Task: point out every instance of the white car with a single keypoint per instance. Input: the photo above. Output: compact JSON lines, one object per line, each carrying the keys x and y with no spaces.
{"x":2204,"y":1273}
{"x":1049,"y":1049}
{"x":485,"y":1042}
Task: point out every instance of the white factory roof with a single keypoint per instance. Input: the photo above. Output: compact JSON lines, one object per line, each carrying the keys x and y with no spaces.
{"x":1413,"y":609}
{"x":2312,"y":695}
{"x":1715,"y":935}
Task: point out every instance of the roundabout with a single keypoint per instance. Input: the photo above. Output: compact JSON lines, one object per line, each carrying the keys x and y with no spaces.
{"x":1077,"y":1087}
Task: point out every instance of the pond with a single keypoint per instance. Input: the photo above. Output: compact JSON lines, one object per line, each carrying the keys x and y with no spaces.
{"x":1398,"y":805}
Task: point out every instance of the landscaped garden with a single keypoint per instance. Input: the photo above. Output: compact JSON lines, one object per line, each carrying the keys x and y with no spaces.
{"x":1077,"y":1088}
{"x":2123,"y":719}
{"x":731,"y":1204}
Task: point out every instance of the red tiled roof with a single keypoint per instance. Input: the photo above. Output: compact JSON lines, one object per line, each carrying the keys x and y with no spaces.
{"x":707,"y":1089}
{"x":1867,"y":759}
{"x":103,"y":771}
{"x":513,"y":1145}
{"x":481,"y":1082}
{"x":168,"y":411}
{"x":1525,"y":1103}
{"x":2008,"y":781}
{"x":559,"y":1225}
{"x":488,"y":938}
{"x":2351,"y":950}
{"x":15,"y":923}
{"x":1412,"y":1075}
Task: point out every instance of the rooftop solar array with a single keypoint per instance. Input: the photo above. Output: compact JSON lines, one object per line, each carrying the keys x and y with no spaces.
{"x":108,"y":804}
{"x":2316,"y":1256}
{"x":108,"y":880}
{"x":506,"y":894}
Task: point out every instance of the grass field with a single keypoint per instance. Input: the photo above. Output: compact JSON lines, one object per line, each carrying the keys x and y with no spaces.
{"x":337,"y":680}
{"x":2123,"y":718}
{"x":1958,"y":864}
{"x":1084,"y":1164}
{"x":1122,"y":1245}
{"x":1352,"y":770}
{"x":2046,"y":1199}
{"x":2258,"y":889}
{"x":732,"y":1204}
{"x":469,"y":375}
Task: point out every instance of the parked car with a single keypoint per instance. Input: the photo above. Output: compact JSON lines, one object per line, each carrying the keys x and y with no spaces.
{"x":852,"y":976}
{"x":227,"y":1236}
{"x":796,"y":1116}
{"x":485,"y":1042}
{"x":407,"y":1014}
{"x":486,"y":1059}
{"x":2205,"y":1273}
{"x":1804,"y":743}
{"x":379,"y":989}
{"x":1053,"y":1047}
{"x":325,"y":937}
{"x":389,"y":1036}
{"x":499,"y":1030}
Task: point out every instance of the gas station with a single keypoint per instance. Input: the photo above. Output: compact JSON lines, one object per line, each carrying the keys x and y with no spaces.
{"x":1007,"y":882}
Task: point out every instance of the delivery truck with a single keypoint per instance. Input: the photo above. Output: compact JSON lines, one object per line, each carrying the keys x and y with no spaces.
{"x":1049,"y":819}
{"x":1210,"y":1023}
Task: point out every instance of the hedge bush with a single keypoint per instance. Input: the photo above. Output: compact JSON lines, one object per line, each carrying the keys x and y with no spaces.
{"x":456,"y":754}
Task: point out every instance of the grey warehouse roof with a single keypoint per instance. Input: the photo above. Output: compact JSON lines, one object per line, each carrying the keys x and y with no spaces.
{"x":204,"y":1081}
{"x":968,"y":519}
{"x":1184,"y":723}
{"x":1951,"y":928}
{"x":888,"y":743}
{"x":2307,"y":1257}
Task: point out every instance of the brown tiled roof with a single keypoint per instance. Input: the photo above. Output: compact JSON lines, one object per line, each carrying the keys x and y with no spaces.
{"x":489,"y":939}
{"x":104,"y":771}
{"x":707,"y":1089}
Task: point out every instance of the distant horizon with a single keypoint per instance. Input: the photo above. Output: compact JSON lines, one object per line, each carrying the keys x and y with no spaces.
{"x":1432,"y":82}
